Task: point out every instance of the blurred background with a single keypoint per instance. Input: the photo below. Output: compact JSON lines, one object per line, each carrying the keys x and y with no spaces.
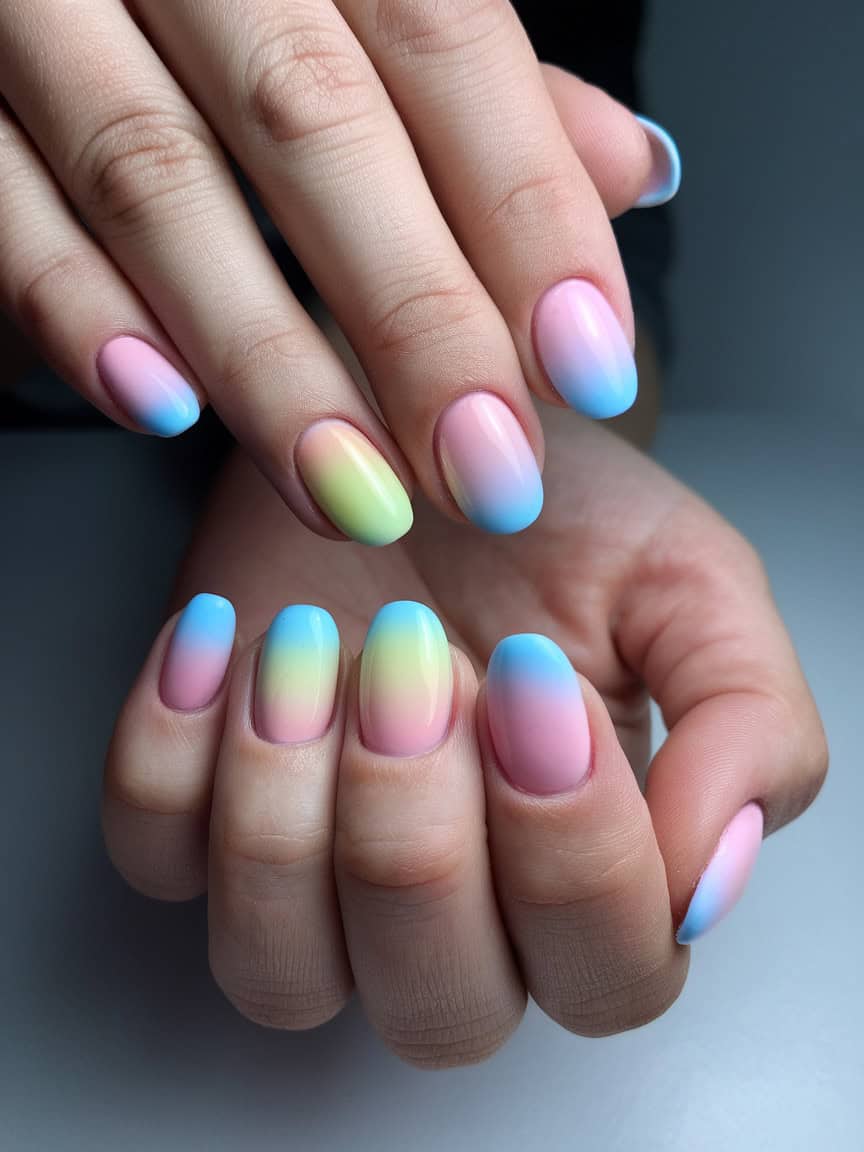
{"x":112,"y":1034}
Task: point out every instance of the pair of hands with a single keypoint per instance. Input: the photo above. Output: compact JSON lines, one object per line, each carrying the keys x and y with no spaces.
{"x":448,"y":196}
{"x":446,"y":873}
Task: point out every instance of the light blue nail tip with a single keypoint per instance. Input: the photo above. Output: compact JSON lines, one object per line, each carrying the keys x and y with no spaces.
{"x":207,"y":618}
{"x":666,"y":172}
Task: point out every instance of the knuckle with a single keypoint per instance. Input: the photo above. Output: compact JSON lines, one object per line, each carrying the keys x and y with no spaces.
{"x":546,"y":196}
{"x":307,"y":81}
{"x":433,"y":1039}
{"x":47,"y":285}
{"x":612,"y":1001}
{"x":426,"y":867}
{"x":245,"y":849}
{"x":275,"y":990}
{"x":422,"y":28}
{"x":437,"y":315}
{"x":138,"y":159}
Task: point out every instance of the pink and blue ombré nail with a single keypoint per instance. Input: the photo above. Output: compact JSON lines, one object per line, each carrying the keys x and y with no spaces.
{"x":725,"y":878}
{"x":198,"y":653}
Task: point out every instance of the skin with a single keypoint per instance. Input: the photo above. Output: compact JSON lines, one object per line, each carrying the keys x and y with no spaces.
{"x":430,"y":883}
{"x":373,"y":135}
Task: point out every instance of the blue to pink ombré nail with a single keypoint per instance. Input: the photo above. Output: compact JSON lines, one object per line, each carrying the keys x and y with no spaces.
{"x":199,"y":653}
{"x":725,"y":878}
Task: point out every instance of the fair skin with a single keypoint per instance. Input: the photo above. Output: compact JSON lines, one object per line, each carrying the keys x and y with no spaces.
{"x":375,"y":135}
{"x":431,"y":884}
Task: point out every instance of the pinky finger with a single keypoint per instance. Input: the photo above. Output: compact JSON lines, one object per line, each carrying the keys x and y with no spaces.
{"x":66,"y":295}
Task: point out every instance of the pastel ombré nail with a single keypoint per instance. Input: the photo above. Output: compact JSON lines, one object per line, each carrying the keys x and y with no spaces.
{"x":665,"y":178}
{"x":537,"y":717}
{"x":352,"y":483}
{"x":406,"y":681}
{"x":488,"y":464}
{"x":147,"y":386}
{"x":297,"y":673}
{"x":723,"y":881}
{"x":198,"y":653}
{"x":584,"y":350}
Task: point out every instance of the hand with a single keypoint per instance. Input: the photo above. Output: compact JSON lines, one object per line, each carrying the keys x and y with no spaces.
{"x":431,"y":178}
{"x":332,"y":861}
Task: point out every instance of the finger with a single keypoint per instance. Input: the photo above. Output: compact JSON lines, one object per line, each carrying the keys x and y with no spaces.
{"x":468,"y":87}
{"x":305,"y":113}
{"x":746,"y":751}
{"x":147,"y":175}
{"x":632,"y":162}
{"x":578,"y":872}
{"x":61,"y":289}
{"x":159,"y":770}
{"x":427,"y":947}
{"x":276,"y":944}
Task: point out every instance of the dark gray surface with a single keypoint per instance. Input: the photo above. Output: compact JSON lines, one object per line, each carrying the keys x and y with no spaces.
{"x":113,"y":1036}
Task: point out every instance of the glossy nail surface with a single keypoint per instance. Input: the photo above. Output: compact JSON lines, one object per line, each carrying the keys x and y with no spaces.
{"x":297,"y":672}
{"x":352,"y":483}
{"x":488,"y":464}
{"x":584,"y":350}
{"x":198,"y":653}
{"x":665,"y":178}
{"x":147,"y":387}
{"x":406,"y":681}
{"x":537,"y":717}
{"x":724,"y":880}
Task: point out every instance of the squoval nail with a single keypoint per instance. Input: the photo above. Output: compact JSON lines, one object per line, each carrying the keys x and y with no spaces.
{"x":537,"y":717}
{"x":722,"y":883}
{"x":406,"y":681}
{"x":198,"y":653}
{"x":147,"y":386}
{"x":584,"y":350}
{"x":295,"y":687}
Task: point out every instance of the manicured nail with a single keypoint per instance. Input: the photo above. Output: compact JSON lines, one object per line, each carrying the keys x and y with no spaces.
{"x":198,"y":654}
{"x":147,"y":386}
{"x":488,"y":464}
{"x":297,"y":671}
{"x":723,"y":881}
{"x":584,"y":350}
{"x":352,"y":483}
{"x":537,"y":716}
{"x":406,"y":681}
{"x":665,"y":178}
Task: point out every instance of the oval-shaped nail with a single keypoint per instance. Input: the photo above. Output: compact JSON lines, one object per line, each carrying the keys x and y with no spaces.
{"x":725,"y":878}
{"x":198,"y":653}
{"x":147,"y":387}
{"x":406,"y":681}
{"x":488,"y":464}
{"x":584,"y":351}
{"x":537,"y":717}
{"x":295,"y":686}
{"x":665,"y":178}
{"x":352,"y":483}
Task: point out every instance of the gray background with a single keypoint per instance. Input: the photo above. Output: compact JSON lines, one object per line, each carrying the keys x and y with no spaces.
{"x":111,"y":1033}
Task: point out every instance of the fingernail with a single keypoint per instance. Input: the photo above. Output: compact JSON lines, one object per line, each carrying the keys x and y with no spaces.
{"x":406,"y":681}
{"x":724,"y":880}
{"x":537,"y":717}
{"x":297,"y":671}
{"x":198,"y":654}
{"x":488,"y":464}
{"x":665,"y":178}
{"x":584,"y":350}
{"x":147,"y":386}
{"x":352,"y":483}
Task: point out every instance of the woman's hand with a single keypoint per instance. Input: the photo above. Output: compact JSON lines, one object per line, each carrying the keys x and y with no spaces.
{"x":432,"y":179}
{"x":370,"y":852}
